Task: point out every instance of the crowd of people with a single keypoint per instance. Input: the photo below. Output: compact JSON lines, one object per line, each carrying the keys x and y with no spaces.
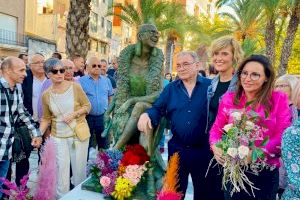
{"x":66,"y":99}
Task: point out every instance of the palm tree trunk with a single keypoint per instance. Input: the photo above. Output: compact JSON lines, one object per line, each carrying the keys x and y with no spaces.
{"x":289,"y":40}
{"x":78,"y":28}
{"x":169,"y":54}
{"x":270,"y":40}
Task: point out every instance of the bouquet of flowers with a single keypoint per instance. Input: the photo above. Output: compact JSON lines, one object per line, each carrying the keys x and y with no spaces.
{"x":243,"y":144}
{"x":117,"y":173}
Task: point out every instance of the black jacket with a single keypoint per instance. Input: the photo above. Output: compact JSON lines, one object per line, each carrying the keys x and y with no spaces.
{"x":27,"y":88}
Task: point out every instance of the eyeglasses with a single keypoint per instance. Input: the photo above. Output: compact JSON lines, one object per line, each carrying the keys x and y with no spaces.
{"x":282,"y":86}
{"x":253,"y":76}
{"x":94,"y":66}
{"x":55,"y":71}
{"x":184,"y":65}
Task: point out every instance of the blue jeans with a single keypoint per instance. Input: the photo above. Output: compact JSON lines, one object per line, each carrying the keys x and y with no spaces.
{"x":4,"y":165}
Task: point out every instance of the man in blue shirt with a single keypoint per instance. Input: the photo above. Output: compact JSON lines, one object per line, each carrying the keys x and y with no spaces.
{"x":99,"y":91}
{"x":183,"y":102}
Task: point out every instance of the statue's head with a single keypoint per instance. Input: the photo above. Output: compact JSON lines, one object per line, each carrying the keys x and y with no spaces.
{"x":148,"y":35}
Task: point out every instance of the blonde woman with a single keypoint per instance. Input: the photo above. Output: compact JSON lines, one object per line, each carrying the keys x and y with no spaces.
{"x":65,"y":106}
{"x":226,"y":54}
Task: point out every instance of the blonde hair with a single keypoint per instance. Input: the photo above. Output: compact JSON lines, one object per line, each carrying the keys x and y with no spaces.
{"x":296,"y":95}
{"x":227,"y":41}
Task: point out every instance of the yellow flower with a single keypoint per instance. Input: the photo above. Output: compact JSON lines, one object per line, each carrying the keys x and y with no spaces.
{"x":123,"y":189}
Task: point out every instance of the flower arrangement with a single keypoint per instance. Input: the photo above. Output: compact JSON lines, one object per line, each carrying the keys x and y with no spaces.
{"x":243,"y":144}
{"x":117,"y":173}
{"x":13,"y":191}
{"x":46,"y":184}
{"x":170,"y":183}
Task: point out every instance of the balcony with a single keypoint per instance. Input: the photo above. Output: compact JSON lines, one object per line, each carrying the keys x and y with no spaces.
{"x":12,"y":38}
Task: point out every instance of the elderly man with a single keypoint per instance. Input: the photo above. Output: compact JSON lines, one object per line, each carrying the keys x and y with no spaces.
{"x":112,"y":71}
{"x":183,"y":102}
{"x":99,"y":91}
{"x":12,"y":108}
{"x":31,"y":87}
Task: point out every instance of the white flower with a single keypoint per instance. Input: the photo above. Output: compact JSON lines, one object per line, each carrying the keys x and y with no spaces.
{"x":249,"y":125}
{"x":232,"y":152}
{"x":227,"y":127}
{"x":236,"y":115}
{"x":295,"y":168}
{"x":243,"y":151}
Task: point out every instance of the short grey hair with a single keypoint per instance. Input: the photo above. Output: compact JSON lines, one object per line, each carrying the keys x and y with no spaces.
{"x":190,"y":53}
{"x":292,"y":80}
{"x":33,"y":55}
{"x":51,"y":63}
{"x":103,"y":60}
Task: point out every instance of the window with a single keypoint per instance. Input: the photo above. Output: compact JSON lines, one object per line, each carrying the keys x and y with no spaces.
{"x":102,"y":22}
{"x":45,"y":6}
{"x":8,"y":29}
{"x":108,"y":29}
{"x":93,"y":22}
{"x":103,"y":48}
{"x":103,"y":1}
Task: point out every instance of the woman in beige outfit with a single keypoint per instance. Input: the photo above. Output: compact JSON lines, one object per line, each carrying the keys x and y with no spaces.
{"x":65,"y":105}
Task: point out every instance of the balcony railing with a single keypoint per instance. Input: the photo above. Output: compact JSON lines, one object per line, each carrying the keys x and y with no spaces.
{"x":12,"y":38}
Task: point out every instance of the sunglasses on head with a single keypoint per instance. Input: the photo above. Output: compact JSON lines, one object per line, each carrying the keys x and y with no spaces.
{"x":55,"y":71}
{"x":94,"y":66}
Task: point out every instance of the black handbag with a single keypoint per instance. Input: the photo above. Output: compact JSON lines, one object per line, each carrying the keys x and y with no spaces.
{"x":22,"y":143}
{"x":22,"y":137}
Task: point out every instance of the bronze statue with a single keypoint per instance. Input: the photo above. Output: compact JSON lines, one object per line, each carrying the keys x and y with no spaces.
{"x":139,"y":84}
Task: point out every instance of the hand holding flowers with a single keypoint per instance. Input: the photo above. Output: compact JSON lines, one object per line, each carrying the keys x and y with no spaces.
{"x":241,"y":149}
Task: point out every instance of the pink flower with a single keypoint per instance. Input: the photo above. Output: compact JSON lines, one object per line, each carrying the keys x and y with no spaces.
{"x":134,"y":173}
{"x":105,"y":181}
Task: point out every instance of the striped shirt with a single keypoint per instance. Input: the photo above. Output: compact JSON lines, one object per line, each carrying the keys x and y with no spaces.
{"x":18,"y":111}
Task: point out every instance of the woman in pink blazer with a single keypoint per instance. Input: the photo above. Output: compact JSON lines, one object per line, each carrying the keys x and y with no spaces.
{"x":255,"y":84}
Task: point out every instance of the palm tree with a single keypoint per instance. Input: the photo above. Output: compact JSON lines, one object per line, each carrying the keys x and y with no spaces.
{"x":290,"y":36}
{"x":270,"y":10}
{"x":78,"y":28}
{"x":245,"y":19}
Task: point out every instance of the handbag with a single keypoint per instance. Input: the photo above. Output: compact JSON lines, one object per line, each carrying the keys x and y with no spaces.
{"x":81,"y":130}
{"x":22,"y":137}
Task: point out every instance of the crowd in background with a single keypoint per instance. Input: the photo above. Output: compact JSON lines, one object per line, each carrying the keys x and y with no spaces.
{"x":61,"y":95}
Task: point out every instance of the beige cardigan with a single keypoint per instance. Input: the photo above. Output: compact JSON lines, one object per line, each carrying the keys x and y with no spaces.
{"x":80,"y":101}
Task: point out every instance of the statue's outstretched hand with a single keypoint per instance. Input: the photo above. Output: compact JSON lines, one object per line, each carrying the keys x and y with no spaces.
{"x":144,"y":123}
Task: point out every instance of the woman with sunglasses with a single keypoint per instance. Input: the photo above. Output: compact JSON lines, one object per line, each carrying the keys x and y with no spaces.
{"x":226,"y":54}
{"x":255,"y":85}
{"x":64,"y":106}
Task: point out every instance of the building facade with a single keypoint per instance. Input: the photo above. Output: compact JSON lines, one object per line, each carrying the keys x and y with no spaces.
{"x":12,"y":38}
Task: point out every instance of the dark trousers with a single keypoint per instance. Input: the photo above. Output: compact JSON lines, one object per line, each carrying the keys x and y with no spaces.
{"x":22,"y":169}
{"x":194,"y":161}
{"x":4,"y":165}
{"x":96,"y":126}
{"x":267,"y":181}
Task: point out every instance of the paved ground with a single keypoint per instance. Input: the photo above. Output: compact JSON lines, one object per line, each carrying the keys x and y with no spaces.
{"x":34,"y":169}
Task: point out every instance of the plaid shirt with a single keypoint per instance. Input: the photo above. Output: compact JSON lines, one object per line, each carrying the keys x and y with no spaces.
{"x":18,"y":111}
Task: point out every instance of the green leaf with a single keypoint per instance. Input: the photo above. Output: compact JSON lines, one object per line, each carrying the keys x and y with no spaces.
{"x":260,"y":153}
{"x":267,"y":114}
{"x":265,"y":141}
{"x":254,"y":155}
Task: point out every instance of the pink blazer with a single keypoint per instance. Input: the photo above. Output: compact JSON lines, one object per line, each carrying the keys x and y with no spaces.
{"x":279,"y":119}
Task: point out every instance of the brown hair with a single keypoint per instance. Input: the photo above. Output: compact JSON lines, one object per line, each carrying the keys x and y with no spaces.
{"x":264,"y":95}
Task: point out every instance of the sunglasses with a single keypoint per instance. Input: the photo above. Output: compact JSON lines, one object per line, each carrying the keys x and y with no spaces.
{"x":55,"y":71}
{"x":94,"y":66}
